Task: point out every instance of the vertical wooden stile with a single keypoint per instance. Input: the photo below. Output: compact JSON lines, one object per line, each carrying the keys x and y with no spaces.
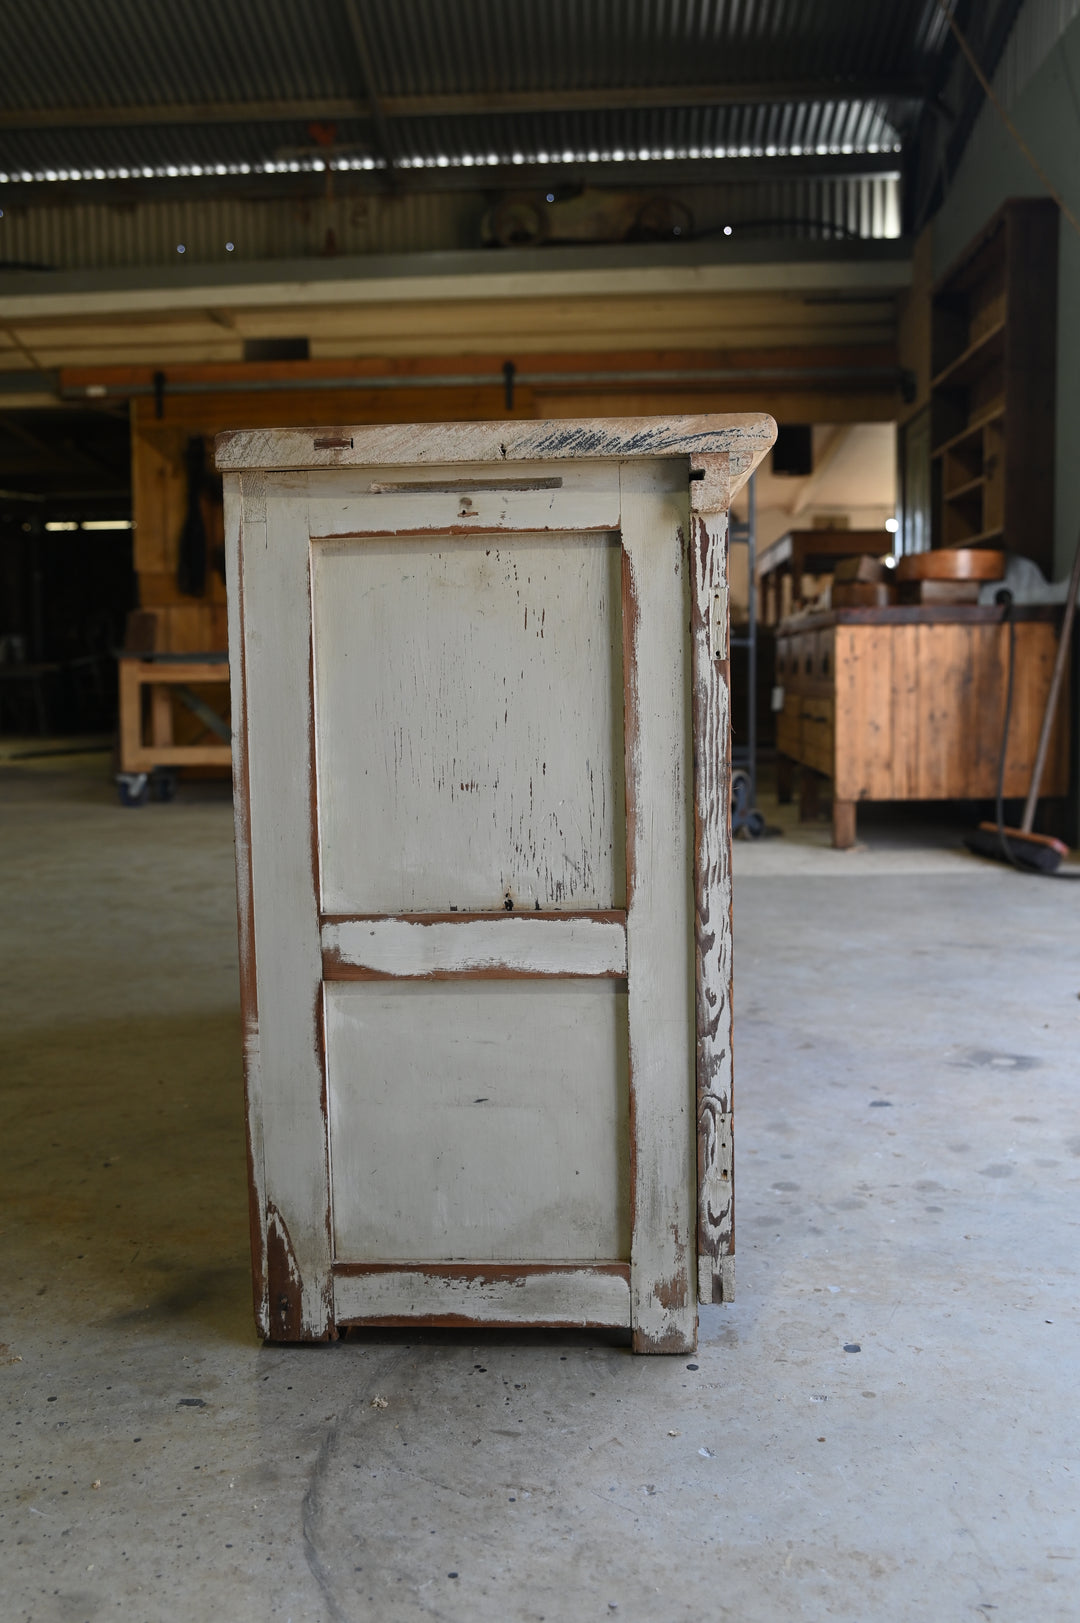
{"x":659,"y":936}
{"x":236,"y":516}
{"x":285,"y":910}
{"x":711,"y":712}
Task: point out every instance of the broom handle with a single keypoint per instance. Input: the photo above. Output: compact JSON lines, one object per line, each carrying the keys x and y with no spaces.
{"x":1052,"y":697}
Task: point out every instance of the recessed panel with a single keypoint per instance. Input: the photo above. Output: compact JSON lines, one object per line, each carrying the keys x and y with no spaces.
{"x":468,"y":702}
{"x":478,"y":1121}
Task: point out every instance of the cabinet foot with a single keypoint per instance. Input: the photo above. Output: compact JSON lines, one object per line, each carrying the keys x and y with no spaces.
{"x":843,"y":824}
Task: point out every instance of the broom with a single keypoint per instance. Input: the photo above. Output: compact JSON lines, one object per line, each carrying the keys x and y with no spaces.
{"x":1037,"y":853}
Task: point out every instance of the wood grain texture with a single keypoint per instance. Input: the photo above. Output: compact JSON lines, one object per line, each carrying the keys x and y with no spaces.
{"x":466,"y":718}
{"x":478,"y":1121}
{"x":557,"y":1298}
{"x":659,"y":925}
{"x":953,"y":563}
{"x":743,"y":437}
{"x":707,"y":567}
{"x":284,"y":885}
{"x":914,"y":706}
{"x":420,"y":948}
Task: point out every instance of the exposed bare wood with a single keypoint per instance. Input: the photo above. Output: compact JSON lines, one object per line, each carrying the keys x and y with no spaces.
{"x":744,"y":438}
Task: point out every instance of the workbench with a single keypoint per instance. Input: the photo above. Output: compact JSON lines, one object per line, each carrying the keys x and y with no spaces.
{"x":149,"y":685}
{"x":908,"y":703}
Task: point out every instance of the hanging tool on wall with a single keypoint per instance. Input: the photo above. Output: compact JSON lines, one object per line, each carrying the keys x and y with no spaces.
{"x":191,"y":564}
{"x":200,"y":538}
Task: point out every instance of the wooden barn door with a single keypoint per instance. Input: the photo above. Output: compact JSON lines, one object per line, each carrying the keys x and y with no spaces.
{"x":468,"y":762}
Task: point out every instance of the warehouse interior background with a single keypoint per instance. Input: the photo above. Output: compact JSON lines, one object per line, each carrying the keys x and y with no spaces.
{"x":231,"y":215}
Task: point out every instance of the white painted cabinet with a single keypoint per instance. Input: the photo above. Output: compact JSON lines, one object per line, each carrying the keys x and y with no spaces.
{"x":480,"y":723}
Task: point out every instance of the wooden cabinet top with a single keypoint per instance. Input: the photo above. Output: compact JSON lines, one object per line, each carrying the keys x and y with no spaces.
{"x":743,"y":437}
{"x":916,"y":614}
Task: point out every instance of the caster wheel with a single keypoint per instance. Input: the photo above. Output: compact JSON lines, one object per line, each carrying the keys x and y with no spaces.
{"x":755,"y":825}
{"x":133,"y":789}
{"x":163,"y":785}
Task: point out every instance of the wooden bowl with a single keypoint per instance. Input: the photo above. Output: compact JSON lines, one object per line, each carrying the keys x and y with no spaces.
{"x":953,"y":563}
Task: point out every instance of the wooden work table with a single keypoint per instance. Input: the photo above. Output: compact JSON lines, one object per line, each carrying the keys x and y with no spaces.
{"x":908,"y":703}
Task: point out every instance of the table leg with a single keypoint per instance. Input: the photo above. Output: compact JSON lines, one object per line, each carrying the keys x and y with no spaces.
{"x":843,"y":824}
{"x":130,"y":715}
{"x":785,"y":779}
{"x":161,"y":715}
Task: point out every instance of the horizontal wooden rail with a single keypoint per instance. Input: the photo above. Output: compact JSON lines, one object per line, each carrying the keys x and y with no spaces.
{"x":496,"y":945}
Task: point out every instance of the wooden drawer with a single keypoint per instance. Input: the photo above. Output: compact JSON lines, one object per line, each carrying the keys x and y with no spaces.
{"x":817,"y":734}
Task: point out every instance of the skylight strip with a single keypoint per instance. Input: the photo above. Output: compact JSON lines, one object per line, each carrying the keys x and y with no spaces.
{"x":482,"y":160}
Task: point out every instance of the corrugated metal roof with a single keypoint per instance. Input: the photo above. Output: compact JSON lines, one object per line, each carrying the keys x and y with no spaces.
{"x":64,"y":53}
{"x":676,"y":81}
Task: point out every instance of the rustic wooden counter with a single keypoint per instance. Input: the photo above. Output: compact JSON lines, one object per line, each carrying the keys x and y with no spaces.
{"x":908,"y":703}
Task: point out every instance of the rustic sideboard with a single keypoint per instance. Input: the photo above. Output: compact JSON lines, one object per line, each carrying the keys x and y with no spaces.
{"x":908,"y":703}
{"x":481,"y":757}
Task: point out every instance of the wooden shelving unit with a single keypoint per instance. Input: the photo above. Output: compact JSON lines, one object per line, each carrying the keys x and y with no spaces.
{"x":993,"y":356}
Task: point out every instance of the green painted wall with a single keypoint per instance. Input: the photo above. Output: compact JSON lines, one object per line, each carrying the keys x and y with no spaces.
{"x":1047,"y":113}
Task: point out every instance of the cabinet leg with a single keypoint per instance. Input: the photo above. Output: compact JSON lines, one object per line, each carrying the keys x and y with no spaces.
{"x":843,"y":824}
{"x":809,"y":801}
{"x":785,"y":779}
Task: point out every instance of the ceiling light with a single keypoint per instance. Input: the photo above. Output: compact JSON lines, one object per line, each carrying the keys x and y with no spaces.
{"x":61,"y":524}
{"x":101,"y":524}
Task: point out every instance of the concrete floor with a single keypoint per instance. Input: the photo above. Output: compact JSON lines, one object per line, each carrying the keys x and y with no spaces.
{"x":883,"y":1425}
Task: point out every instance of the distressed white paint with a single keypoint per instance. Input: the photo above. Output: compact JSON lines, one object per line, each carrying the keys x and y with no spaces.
{"x":478,"y":1120}
{"x":469,"y":723}
{"x":745,"y":437}
{"x":275,"y":616}
{"x":521,"y":1084}
{"x":513,"y":943}
{"x":712,"y":891}
{"x":659,"y":923}
{"x":566,"y":1297}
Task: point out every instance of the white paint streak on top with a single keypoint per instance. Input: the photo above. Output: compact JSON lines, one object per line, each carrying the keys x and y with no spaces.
{"x":744,"y":436}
